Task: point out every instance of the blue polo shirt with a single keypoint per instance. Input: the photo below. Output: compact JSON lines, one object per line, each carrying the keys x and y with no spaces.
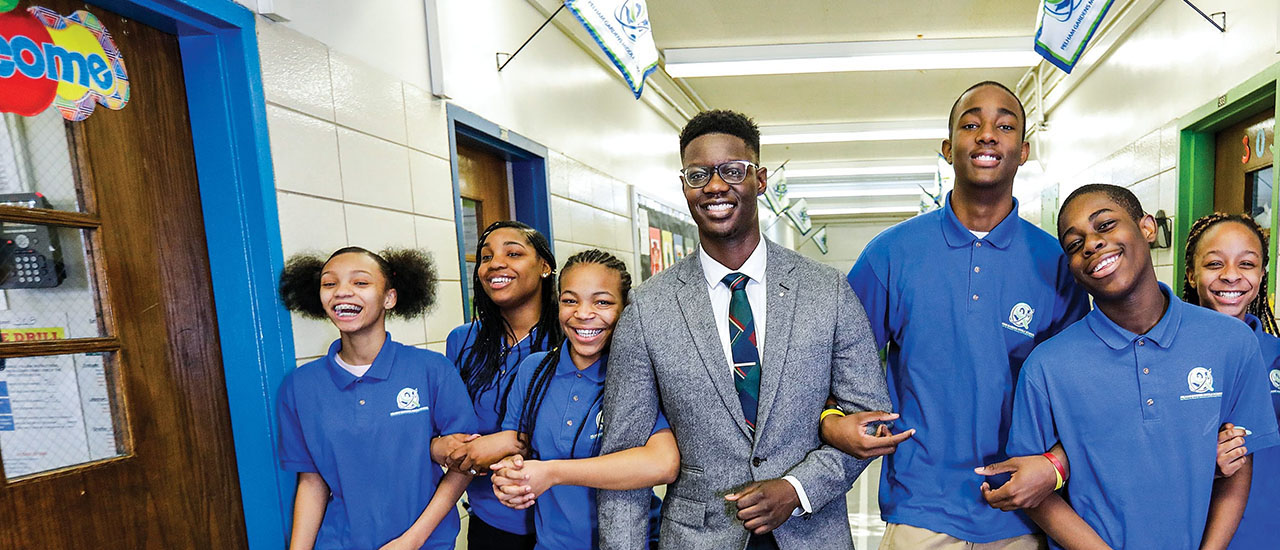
{"x":370,"y":439}
{"x":1261,"y":521}
{"x":480,"y":492}
{"x":565,"y":516}
{"x":1139,"y":414}
{"x":959,"y":314}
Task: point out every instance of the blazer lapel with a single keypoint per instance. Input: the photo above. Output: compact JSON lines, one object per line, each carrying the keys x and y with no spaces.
{"x":695,"y":305}
{"x":781,"y":302}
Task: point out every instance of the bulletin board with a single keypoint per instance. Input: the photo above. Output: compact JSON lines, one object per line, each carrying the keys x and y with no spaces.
{"x":664,"y":235}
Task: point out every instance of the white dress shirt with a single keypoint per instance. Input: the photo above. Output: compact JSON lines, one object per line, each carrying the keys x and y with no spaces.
{"x":754,"y":268}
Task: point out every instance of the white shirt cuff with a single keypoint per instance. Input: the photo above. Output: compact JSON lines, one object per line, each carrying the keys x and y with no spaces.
{"x":805,"y":507}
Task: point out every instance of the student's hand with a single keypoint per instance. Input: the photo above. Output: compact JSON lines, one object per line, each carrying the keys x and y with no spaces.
{"x":477,"y":455}
{"x":402,"y":543}
{"x":443,"y":446}
{"x":1033,"y":479}
{"x":525,"y":482}
{"x":1231,"y":450}
{"x":764,"y":505}
{"x":849,"y":434}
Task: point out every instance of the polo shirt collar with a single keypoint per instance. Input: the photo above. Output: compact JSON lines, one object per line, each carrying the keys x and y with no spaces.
{"x":957,"y":235}
{"x":594,"y":373}
{"x":715,"y":271}
{"x":1254,"y":323}
{"x":380,"y":370}
{"x":1117,"y":337}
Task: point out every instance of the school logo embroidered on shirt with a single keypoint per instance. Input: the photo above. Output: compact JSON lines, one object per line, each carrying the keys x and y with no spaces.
{"x":408,"y":399}
{"x":1275,"y":380}
{"x":1020,"y":319}
{"x":1200,"y":382}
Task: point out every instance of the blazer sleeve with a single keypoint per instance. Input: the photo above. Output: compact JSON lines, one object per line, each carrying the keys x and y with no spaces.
{"x":858,"y":384}
{"x":630,"y":408}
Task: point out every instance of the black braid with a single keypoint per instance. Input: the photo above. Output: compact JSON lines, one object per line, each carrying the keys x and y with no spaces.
{"x":410,"y":272}
{"x":482,"y":361}
{"x":541,"y":379}
{"x":1260,"y":307}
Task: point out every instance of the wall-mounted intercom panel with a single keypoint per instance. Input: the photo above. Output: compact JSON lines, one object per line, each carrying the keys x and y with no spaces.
{"x":29,"y":254}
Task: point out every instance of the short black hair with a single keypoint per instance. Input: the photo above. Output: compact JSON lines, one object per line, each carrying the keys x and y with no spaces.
{"x":721,"y":121}
{"x":1022,"y":111}
{"x":1123,"y":197}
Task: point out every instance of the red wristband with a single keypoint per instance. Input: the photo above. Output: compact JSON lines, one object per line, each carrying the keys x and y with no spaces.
{"x":1057,"y":465}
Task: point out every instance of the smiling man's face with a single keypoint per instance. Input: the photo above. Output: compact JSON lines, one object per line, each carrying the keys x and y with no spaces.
{"x":723,"y":211}
{"x":985,"y":145}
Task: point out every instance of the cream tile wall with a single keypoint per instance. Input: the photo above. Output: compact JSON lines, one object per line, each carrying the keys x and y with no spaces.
{"x":845,"y":241}
{"x":361,"y":158}
{"x":589,"y":209}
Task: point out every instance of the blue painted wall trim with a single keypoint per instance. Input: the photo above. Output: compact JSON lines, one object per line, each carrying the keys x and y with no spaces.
{"x":227,"y":109}
{"x":532,"y":195}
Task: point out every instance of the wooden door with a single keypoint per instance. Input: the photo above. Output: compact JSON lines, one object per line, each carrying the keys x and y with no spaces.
{"x":136,"y":264}
{"x":486,"y":198}
{"x":1243,"y":156}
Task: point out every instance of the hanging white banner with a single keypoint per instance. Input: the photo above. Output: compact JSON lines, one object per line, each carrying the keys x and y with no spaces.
{"x":621,"y":28}
{"x":1064,"y":27}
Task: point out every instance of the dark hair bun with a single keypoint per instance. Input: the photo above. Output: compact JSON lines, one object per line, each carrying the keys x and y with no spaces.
{"x":414,"y":276}
{"x":300,"y":286}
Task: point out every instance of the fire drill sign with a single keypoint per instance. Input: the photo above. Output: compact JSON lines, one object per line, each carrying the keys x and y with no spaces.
{"x":69,"y":62}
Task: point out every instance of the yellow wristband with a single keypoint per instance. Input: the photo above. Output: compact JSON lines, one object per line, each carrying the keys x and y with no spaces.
{"x":1059,"y":483}
{"x":830,"y":412}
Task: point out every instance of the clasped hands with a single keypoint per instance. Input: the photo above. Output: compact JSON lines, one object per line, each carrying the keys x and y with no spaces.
{"x":470,"y":453}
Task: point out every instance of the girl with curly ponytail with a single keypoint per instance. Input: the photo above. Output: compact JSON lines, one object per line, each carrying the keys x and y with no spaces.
{"x":356,"y":424}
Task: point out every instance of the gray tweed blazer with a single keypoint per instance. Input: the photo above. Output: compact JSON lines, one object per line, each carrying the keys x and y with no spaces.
{"x":666,"y":352}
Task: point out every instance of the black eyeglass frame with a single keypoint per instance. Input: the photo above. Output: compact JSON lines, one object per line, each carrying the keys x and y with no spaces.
{"x":716,"y":170}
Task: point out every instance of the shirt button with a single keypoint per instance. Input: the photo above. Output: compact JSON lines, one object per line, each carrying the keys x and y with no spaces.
{"x":1142,"y":342}
{"x":1146,"y":370}
{"x":359,"y":380}
{"x":570,"y":422}
{"x":1151,"y":402}
{"x":975,"y":297}
{"x":575,"y":398}
{"x":579,"y":375}
{"x":977,"y":244}
{"x":977,"y":269}
{"x":361,"y":401}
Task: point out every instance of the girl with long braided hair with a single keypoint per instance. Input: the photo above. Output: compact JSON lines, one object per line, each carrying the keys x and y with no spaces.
{"x":1227,"y":258}
{"x":554,"y":407}
{"x":514,"y":315}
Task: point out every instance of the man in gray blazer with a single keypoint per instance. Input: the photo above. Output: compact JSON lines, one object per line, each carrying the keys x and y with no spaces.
{"x":743,"y":403}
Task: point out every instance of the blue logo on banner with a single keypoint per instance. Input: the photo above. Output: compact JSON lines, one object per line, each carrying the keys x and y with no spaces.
{"x":4,"y":389}
{"x":634,"y":18}
{"x":4,"y":407}
{"x":6,"y":423}
{"x":1061,"y":9}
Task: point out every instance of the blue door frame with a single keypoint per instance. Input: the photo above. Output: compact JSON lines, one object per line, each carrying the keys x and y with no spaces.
{"x":227,"y":109}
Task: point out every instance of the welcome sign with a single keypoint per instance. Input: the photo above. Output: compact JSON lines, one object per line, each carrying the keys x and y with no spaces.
{"x":69,"y":62}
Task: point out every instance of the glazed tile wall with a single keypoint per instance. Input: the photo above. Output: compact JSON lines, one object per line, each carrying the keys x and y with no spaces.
{"x":360,"y":158}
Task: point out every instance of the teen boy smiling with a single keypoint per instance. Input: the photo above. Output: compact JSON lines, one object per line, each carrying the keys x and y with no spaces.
{"x":960,"y":296}
{"x":1135,"y":394}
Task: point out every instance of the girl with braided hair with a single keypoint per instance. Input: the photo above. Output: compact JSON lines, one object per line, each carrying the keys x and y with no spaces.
{"x":514,"y":315}
{"x":356,"y":424}
{"x":554,"y":407}
{"x":1227,"y":259}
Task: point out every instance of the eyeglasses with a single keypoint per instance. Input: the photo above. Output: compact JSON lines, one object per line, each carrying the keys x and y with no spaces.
{"x":732,"y":172}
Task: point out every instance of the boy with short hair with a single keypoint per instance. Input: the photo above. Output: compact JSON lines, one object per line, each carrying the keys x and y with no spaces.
{"x":1135,"y":394}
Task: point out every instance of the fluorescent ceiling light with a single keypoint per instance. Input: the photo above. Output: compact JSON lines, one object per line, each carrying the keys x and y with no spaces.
{"x":854,"y":131}
{"x":818,"y":212}
{"x":835,"y":57}
{"x":817,"y":192}
{"x":866,"y":169}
